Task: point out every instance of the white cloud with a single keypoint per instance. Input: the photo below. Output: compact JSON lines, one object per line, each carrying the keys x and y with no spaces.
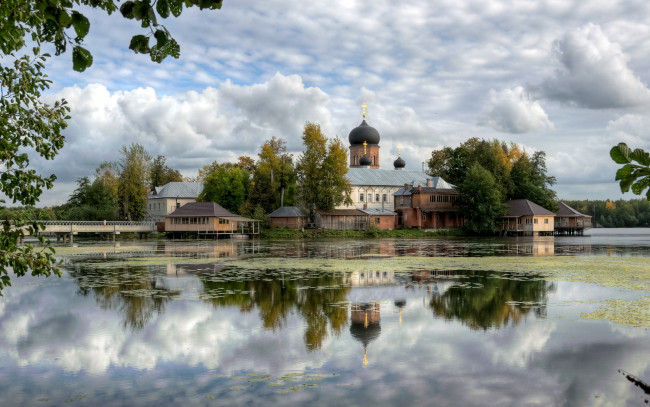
{"x":512,"y":111}
{"x":190,"y":129}
{"x":632,"y":129}
{"x":594,"y":72}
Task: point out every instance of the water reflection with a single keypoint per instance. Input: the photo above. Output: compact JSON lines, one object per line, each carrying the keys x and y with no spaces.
{"x":182,"y":332}
{"x":483,"y":301}
{"x":365,"y":326}
{"x":132,"y":291}
{"x":316,"y":299}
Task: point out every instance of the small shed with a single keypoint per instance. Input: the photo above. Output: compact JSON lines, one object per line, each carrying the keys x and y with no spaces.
{"x":381,"y":218}
{"x":287,"y":217}
{"x":208,"y":218}
{"x":342,"y":219}
{"x":528,"y":219}
{"x":568,"y":221}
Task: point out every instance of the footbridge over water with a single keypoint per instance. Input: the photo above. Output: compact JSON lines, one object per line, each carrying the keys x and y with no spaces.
{"x":66,"y":229}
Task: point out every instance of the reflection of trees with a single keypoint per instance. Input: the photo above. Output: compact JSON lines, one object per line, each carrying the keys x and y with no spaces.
{"x":483,"y":301}
{"x":314,"y":298}
{"x":129,"y":290}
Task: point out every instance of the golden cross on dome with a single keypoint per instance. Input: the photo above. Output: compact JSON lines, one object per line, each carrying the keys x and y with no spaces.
{"x":364,"y":147}
{"x":399,"y":150}
{"x":363,"y":106}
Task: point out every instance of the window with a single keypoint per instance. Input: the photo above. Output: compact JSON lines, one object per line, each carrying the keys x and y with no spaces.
{"x":401,"y":200}
{"x":373,"y":160}
{"x":546,"y":221}
{"x":383,"y":198}
{"x":361,"y":197}
{"x":535,"y":221}
{"x":377,"y":221}
{"x":376,"y":197}
{"x":356,"y":159}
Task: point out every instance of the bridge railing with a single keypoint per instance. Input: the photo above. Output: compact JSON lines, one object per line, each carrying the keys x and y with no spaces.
{"x":89,"y":222}
{"x":93,"y":223}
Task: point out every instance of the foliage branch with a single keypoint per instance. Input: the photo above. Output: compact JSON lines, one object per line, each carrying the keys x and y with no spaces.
{"x":632,"y":176}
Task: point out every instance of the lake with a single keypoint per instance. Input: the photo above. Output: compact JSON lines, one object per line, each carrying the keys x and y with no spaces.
{"x":356,"y":322}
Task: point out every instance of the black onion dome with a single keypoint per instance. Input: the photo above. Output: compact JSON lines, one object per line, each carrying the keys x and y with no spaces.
{"x":365,"y":334}
{"x":363,"y":133}
{"x":399,"y":163}
{"x":365,"y":160}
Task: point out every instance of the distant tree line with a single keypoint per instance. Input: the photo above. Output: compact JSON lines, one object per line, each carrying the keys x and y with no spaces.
{"x":615,"y":214}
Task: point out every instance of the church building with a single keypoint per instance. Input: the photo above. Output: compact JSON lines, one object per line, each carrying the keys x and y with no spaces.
{"x":375,"y":189}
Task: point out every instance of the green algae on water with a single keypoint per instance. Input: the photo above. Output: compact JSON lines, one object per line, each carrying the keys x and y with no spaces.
{"x":624,"y":312}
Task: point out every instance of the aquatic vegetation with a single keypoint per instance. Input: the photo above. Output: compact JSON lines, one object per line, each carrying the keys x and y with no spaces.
{"x":625,"y":272}
{"x":633,"y":313}
{"x":253,"y":280}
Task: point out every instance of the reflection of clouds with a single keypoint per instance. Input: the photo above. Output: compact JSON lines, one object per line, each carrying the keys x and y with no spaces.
{"x":519,"y":346}
{"x":69,"y":331}
{"x":539,"y":362}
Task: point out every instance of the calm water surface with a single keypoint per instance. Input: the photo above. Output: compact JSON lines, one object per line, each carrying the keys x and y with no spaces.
{"x":182,"y":327}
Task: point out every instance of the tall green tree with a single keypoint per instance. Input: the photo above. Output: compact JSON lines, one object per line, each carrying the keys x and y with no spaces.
{"x":321,"y":170}
{"x":227,"y":186}
{"x":161,"y":174}
{"x":480,"y":201}
{"x":90,"y":201}
{"x":132,"y":186}
{"x":531,"y":182}
{"x":274,"y":178}
{"x":632,"y":176}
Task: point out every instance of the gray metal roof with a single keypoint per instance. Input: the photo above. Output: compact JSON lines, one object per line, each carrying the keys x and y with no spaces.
{"x":396,"y":178}
{"x":378,"y":212}
{"x":177,"y":190}
{"x":403,"y":192}
{"x":201,"y":209}
{"x":286,"y":212}
{"x":568,"y":212}
{"x":524,"y":207}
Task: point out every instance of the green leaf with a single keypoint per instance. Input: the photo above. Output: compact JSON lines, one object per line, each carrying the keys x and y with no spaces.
{"x":81,"y":59}
{"x":139,"y":44}
{"x":162,"y":6}
{"x":625,"y":172}
{"x":81,"y":24}
{"x":639,"y":186}
{"x":127,"y":10}
{"x":161,"y":38}
{"x":620,"y":153}
{"x":64,"y":18}
{"x":151,"y":16}
{"x":640,"y":156}
{"x":176,"y":7}
{"x":140,"y":10}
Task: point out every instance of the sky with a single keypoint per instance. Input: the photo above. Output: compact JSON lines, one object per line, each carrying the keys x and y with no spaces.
{"x":565,"y":77}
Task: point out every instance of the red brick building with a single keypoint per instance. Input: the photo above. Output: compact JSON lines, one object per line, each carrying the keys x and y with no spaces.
{"x":428,"y":207}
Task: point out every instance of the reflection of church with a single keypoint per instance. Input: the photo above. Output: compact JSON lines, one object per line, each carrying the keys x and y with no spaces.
{"x":365,"y":318}
{"x":369,"y":278}
{"x":365,"y":327}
